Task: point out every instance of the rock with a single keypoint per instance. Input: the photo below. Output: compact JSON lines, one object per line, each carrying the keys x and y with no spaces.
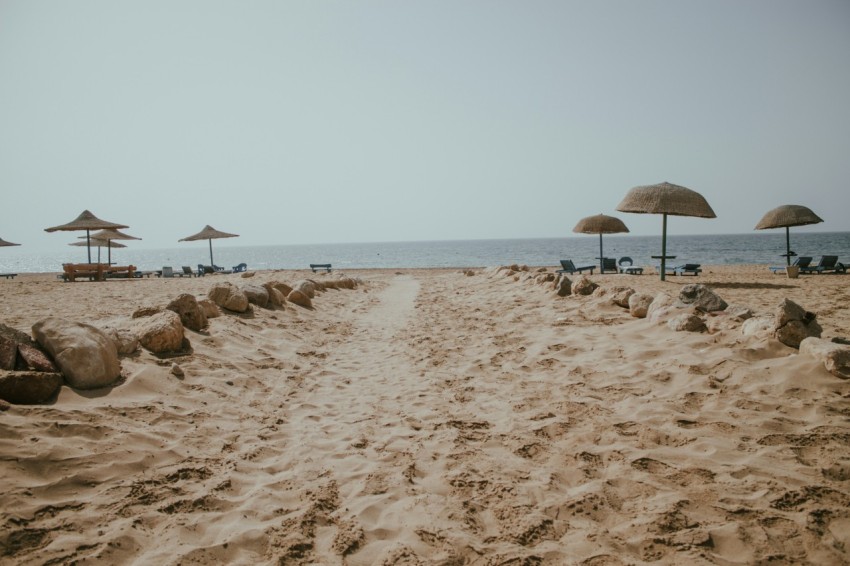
{"x":686,"y":322}
{"x":621,"y":296}
{"x":563,"y":286}
{"x":541,"y":278}
{"x":276,"y":298}
{"x":145,"y":311}
{"x":210,"y":309}
{"x":257,"y":295}
{"x":28,"y":387}
{"x":757,"y":325}
{"x":583,"y":285}
{"x":297,"y":297}
{"x":228,"y":296}
{"x":739,"y":312}
{"x":162,"y":332}
{"x":35,"y":359}
{"x":639,"y":304}
{"x":282,"y":287}
{"x":468,"y":272}
{"x":306,"y":287}
{"x":177,"y":370}
{"x":8,"y":353}
{"x":793,"y":323}
{"x":191,"y":315}
{"x":10,"y":339}
{"x":835,"y":357}
{"x":86,"y":356}
{"x":126,"y":340}
{"x":701,"y":298}
{"x":660,"y":307}
{"x":247,"y":274}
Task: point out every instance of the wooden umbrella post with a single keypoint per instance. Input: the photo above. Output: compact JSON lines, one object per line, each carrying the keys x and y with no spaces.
{"x":664,"y":247}
{"x":212,"y":263}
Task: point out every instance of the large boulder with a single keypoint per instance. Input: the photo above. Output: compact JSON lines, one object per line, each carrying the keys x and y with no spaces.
{"x":34,"y":359}
{"x":281,"y":286}
{"x":276,"y":298}
{"x":298,"y":298}
{"x":701,"y":298}
{"x":257,"y":295}
{"x":307,"y":287}
{"x":584,"y":286}
{"x":661,"y":308}
{"x":620,"y":296}
{"x":835,"y":357}
{"x":86,"y":356}
{"x":686,"y":322}
{"x":210,"y":309}
{"x":28,"y":387}
{"x":191,"y":314}
{"x":792,"y":324}
{"x":639,"y":304}
{"x":563,"y":286}
{"x":162,"y":332}
{"x":228,"y":296}
{"x":126,"y":340}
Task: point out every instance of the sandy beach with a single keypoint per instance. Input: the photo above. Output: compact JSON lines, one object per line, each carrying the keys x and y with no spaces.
{"x":435,"y":417}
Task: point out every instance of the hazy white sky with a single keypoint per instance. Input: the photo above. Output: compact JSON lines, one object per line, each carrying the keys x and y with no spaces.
{"x":339,"y":121}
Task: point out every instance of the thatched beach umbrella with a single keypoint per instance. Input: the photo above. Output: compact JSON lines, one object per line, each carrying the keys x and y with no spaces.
{"x":786,"y":216}
{"x":666,"y":199}
{"x":600,"y":224}
{"x":99,"y":244}
{"x":4,"y":243}
{"x":110,"y":236}
{"x":208,"y":233}
{"x":86,"y":221}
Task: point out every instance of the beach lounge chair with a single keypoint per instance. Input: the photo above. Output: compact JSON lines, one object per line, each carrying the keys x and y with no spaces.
{"x":627,"y":266}
{"x":827,"y":264}
{"x":608,"y":264}
{"x":219,"y":269}
{"x":9,"y":275}
{"x":240,"y":268}
{"x":688,"y":268}
{"x":802,"y":262}
{"x":168,"y":271}
{"x":568,"y":266}
{"x":188,"y":271}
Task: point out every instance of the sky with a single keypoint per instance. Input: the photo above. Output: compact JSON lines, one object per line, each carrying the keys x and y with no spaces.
{"x":337,"y":121}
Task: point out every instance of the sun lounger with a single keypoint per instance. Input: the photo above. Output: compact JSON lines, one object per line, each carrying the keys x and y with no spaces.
{"x":9,"y":275}
{"x":317,"y":266}
{"x":608,"y":264}
{"x":188,"y":271}
{"x":686,"y":269}
{"x":827,"y":264}
{"x":168,"y":271}
{"x":240,"y":268}
{"x":568,"y":266}
{"x":802,"y":262}
{"x":627,"y":266}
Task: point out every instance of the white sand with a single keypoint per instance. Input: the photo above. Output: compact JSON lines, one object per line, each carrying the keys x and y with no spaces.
{"x":432,"y":418}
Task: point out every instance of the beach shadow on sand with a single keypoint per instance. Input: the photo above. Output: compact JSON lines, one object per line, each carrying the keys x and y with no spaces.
{"x":749,"y":285}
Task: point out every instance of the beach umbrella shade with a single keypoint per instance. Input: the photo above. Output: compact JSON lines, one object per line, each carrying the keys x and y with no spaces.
{"x":786,"y":216}
{"x":4,"y":243}
{"x":208,"y":233}
{"x":98,"y":244}
{"x":111,"y":235}
{"x":600,"y":224}
{"x":88,"y":222}
{"x":666,"y":199}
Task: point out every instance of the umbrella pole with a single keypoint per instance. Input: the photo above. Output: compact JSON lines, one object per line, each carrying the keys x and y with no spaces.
{"x":109,"y":250}
{"x":212,"y":263}
{"x":88,"y":245}
{"x":601,"y":262}
{"x":787,"y":245}
{"x":664,"y":247}
{"x":98,"y":254}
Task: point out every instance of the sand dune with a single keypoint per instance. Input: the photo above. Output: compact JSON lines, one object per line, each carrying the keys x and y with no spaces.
{"x":429,"y":417}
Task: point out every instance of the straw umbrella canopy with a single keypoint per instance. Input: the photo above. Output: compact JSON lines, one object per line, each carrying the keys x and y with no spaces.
{"x":786,"y":216}
{"x":665,"y":199}
{"x":4,"y":243}
{"x":109,"y":236}
{"x":98,"y":244}
{"x":600,"y":224}
{"x":88,"y":222}
{"x":208,"y":233}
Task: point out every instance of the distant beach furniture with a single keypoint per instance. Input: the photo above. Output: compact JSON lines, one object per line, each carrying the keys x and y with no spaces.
{"x":627,"y":266}
{"x":96,"y":271}
{"x":240,"y":268}
{"x":88,"y":222}
{"x":9,"y":275}
{"x":685,"y":269}
{"x":786,"y":216}
{"x":601,"y":224}
{"x":317,"y":266}
{"x":802,"y":262}
{"x":608,"y":264}
{"x":188,"y":271}
{"x":567,"y":266}
{"x":208,"y":233}
{"x":827,"y":264}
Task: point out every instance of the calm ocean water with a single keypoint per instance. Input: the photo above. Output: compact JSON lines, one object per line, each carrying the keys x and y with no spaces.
{"x":759,"y":248}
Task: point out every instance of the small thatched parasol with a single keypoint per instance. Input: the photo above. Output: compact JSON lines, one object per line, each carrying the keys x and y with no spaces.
{"x":786,"y":216}
{"x":111,"y":235}
{"x":600,"y":224}
{"x":86,"y":221}
{"x":666,"y":199}
{"x":4,"y":243}
{"x":99,"y":244}
{"x":208,"y":233}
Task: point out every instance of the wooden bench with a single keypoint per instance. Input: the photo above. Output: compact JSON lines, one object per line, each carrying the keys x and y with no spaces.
{"x":8,"y":275}
{"x":96,"y":271}
{"x":317,"y":266}
{"x":122,"y":271}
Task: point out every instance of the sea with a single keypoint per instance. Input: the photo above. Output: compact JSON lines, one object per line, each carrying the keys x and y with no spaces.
{"x":728,"y":249}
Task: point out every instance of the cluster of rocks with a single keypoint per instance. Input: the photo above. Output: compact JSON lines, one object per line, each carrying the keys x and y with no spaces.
{"x":85,"y":356}
{"x":699,"y":309}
